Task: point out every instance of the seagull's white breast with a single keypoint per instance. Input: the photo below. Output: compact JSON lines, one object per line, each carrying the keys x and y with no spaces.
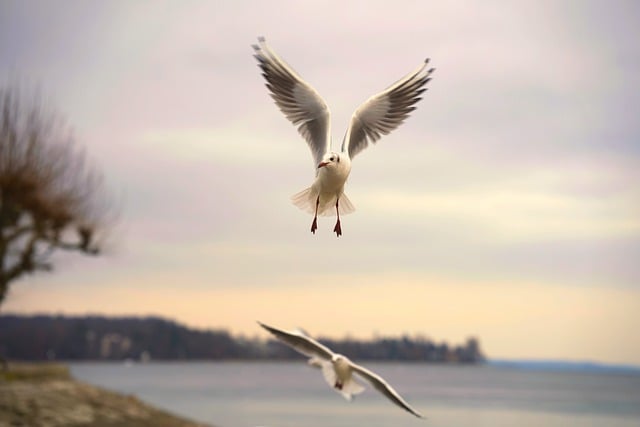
{"x":342,"y":368}
{"x":331,"y":179}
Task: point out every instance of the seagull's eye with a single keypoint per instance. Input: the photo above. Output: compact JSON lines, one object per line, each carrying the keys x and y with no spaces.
{"x":331,"y":158}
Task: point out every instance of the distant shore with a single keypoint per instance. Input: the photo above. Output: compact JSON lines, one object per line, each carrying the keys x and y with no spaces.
{"x":52,"y":337}
{"x":38,"y":394}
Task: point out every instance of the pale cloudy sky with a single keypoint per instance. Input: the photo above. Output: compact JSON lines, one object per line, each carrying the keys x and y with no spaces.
{"x":507,"y":207}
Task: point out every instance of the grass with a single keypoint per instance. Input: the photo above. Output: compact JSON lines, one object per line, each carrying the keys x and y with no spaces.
{"x":24,"y":371}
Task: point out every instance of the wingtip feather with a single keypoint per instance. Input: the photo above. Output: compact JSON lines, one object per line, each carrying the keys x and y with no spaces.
{"x":264,"y":326}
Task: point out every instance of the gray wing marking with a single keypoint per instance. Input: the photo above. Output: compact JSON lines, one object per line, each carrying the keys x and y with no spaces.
{"x":299,"y":102}
{"x":384,"y":388}
{"x":300,"y":342}
{"x":384,"y":112}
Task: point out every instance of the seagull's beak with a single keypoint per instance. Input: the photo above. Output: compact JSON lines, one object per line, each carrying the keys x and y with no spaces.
{"x":322,"y":164}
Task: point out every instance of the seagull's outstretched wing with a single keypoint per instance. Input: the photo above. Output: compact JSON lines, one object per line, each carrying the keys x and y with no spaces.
{"x":302,"y":105}
{"x":385,"y":111}
{"x":384,"y":388}
{"x":300,"y":342}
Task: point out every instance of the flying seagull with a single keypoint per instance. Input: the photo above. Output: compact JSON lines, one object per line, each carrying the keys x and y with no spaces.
{"x":304,"y":107}
{"x":337,"y":369}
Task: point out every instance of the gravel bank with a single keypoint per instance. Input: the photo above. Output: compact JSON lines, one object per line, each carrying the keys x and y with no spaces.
{"x":39,"y":395}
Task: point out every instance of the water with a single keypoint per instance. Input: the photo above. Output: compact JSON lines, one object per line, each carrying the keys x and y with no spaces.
{"x":290,"y":394}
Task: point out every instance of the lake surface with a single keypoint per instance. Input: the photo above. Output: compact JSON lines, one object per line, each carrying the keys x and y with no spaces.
{"x":291,"y":394}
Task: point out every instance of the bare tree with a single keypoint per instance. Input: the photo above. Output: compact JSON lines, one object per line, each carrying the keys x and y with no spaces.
{"x":50,"y":199}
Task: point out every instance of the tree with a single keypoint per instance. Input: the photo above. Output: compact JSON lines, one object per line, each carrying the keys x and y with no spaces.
{"x":50,"y":199}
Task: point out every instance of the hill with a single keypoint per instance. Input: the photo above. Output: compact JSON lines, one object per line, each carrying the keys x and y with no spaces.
{"x":119,"y":338}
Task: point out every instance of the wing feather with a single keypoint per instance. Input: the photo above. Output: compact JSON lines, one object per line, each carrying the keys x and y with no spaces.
{"x":300,"y":342}
{"x":299,"y":102}
{"x":384,"y":112}
{"x":384,"y":388}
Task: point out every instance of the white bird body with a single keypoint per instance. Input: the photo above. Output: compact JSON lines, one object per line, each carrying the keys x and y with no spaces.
{"x":305,"y":108}
{"x":337,"y":369}
{"x":327,"y":188}
{"x":342,"y":368}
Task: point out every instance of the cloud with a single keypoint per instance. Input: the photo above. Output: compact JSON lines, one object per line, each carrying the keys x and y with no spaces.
{"x":508,"y":215}
{"x":236,"y":144}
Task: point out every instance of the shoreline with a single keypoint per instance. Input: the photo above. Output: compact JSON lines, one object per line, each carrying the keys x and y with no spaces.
{"x":33,"y":394}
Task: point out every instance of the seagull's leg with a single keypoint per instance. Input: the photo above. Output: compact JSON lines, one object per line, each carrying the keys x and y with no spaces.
{"x":337,"y":229}
{"x":314,"y":224}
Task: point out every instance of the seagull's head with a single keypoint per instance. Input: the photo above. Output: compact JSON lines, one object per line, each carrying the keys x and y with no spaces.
{"x":341,"y":365}
{"x":338,"y":358}
{"x":329,"y":160}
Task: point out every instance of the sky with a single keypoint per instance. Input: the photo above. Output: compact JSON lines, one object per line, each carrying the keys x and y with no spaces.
{"x":506,"y":207}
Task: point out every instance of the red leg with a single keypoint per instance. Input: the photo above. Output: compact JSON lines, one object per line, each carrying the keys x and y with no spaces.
{"x":337,"y":229}
{"x":314,"y":224}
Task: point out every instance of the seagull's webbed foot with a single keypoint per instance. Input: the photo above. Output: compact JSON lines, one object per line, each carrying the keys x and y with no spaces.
{"x":337,"y":229}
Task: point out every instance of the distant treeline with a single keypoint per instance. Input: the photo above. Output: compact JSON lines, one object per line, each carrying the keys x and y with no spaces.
{"x":121,"y":338}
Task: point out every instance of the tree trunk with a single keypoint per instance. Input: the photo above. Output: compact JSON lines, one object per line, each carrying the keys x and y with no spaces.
{"x":4,"y":286}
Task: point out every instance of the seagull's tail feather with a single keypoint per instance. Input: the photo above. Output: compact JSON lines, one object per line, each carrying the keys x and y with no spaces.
{"x":306,"y":200}
{"x":345,"y":206}
{"x":350,"y":387}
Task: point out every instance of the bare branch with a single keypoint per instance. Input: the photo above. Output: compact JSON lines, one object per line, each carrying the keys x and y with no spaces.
{"x":50,"y":198}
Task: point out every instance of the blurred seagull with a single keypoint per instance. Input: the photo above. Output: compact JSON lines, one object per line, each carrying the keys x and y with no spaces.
{"x":304,"y":107}
{"x":336,"y":368}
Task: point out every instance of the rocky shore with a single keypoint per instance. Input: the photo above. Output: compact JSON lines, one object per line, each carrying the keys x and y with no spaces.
{"x":45,"y":395}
